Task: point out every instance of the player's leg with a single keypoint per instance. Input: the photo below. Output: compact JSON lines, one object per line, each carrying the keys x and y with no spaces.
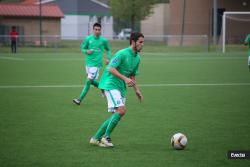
{"x":85,"y":89}
{"x":115,"y":102}
{"x":119,"y":110}
{"x":114,"y":120}
{"x":111,"y":109}
{"x":95,"y":83}
{"x":96,"y":139}
{"x":12,"y":46}
{"x":92,"y":74}
{"x":95,"y":74}
{"x":100,"y":132}
{"x":83,"y":92}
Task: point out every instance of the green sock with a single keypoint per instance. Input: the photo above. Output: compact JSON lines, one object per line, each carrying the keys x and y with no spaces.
{"x":95,"y":83}
{"x":115,"y":118}
{"x":85,"y":89}
{"x":102,"y":129}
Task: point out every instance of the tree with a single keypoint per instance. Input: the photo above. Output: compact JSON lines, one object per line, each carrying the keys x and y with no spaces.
{"x":131,"y":10}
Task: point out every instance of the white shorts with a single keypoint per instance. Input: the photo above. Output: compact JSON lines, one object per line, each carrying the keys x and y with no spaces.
{"x":114,"y":99}
{"x":249,"y":60}
{"x":92,"y":72}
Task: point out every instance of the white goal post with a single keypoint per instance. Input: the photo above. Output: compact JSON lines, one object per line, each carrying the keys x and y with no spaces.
{"x":224,"y":27}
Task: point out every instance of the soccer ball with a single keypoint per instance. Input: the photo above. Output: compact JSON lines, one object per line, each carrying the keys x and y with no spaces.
{"x":179,"y":141}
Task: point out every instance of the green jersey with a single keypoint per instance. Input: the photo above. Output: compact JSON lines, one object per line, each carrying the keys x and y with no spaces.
{"x":125,"y":62}
{"x":97,"y":45}
{"x":247,"y":40}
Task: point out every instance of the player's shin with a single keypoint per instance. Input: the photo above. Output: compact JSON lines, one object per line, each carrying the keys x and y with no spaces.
{"x":85,"y":89}
{"x":102,"y":129}
{"x":115,"y":118}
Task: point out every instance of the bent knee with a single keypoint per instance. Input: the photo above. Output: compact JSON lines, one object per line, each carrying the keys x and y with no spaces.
{"x":90,"y":81}
{"x":121,"y":111}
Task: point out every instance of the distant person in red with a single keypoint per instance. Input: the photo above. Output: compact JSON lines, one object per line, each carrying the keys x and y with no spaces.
{"x":13,"y":37}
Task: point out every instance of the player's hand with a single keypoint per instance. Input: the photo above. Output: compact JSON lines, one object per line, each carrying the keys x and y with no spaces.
{"x":129,"y":82}
{"x":89,"y":52}
{"x":139,"y":95}
{"x":106,"y":61}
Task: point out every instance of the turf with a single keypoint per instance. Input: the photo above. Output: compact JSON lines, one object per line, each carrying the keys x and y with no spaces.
{"x":203,"y":95}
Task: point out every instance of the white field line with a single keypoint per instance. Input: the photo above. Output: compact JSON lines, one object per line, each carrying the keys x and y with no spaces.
{"x":54,"y":59}
{"x":141,"y":85}
{"x":11,"y":58}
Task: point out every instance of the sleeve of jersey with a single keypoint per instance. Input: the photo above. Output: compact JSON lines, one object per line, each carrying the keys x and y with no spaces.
{"x":116,"y":60}
{"x":84,"y":46}
{"x":107,"y":47}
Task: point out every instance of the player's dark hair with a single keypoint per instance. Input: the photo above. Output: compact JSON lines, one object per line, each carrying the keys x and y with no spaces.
{"x":134,"y":36}
{"x":97,"y":25}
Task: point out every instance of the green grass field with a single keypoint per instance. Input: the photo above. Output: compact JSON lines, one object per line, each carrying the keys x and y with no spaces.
{"x":203,"y":95}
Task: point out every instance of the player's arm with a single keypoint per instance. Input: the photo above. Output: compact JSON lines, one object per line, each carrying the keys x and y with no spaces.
{"x":115,"y":62}
{"x":85,"y":47}
{"x":116,"y":73}
{"x":137,"y":89}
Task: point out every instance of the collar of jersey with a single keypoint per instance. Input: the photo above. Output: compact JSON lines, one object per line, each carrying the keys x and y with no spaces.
{"x":133,"y":53}
{"x":96,"y":37}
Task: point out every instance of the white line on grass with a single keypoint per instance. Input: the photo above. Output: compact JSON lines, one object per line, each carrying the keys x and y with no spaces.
{"x":54,"y":59}
{"x":11,"y":58}
{"x":141,"y":85}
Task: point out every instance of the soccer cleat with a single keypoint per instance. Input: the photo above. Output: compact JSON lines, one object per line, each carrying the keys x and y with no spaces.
{"x":107,"y":141}
{"x":77,"y":101}
{"x":96,"y":142}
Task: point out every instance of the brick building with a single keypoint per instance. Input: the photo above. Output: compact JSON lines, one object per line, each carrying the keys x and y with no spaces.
{"x":26,"y":17}
{"x":195,"y":17}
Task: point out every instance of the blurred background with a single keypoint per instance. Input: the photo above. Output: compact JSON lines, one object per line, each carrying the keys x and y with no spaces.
{"x":193,"y":25}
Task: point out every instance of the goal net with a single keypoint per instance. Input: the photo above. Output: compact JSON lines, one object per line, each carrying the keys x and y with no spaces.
{"x":235,"y":27}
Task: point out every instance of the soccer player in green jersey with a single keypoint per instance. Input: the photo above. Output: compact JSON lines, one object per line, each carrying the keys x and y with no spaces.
{"x":247,"y":42}
{"x":93,"y":47}
{"x":120,"y":73}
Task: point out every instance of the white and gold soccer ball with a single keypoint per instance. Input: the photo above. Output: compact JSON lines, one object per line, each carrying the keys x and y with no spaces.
{"x":179,"y":141}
